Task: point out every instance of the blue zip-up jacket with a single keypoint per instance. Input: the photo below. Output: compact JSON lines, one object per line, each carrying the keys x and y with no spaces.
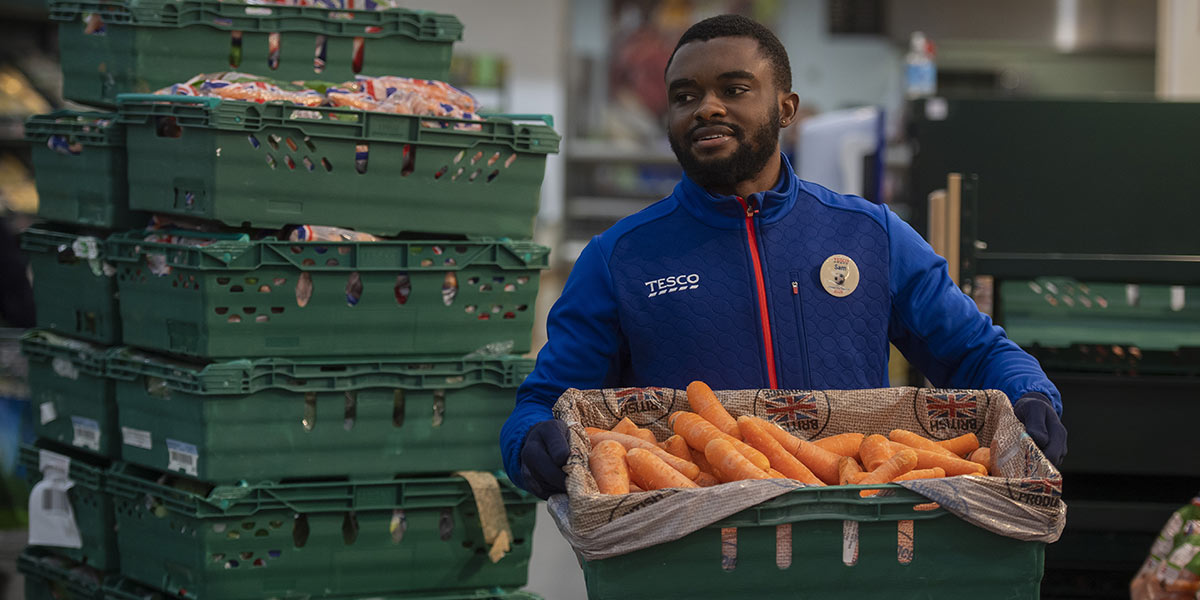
{"x":676,"y":292}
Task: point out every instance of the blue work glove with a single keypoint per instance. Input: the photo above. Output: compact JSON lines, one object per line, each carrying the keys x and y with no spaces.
{"x":1043,"y":425}
{"x":543,"y":455}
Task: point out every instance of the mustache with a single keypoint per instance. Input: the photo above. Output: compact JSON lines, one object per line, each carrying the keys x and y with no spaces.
{"x":737,"y":131}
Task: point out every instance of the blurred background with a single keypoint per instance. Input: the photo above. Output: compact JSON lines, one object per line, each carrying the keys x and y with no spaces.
{"x":1072,"y":126}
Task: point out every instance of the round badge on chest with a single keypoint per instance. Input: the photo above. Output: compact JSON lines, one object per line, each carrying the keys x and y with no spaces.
{"x":839,"y":275}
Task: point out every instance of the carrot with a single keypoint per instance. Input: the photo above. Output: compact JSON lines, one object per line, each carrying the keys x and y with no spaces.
{"x":699,"y":460}
{"x":627,"y":427}
{"x":934,"y":473}
{"x":951,"y":464}
{"x":607,"y":461}
{"x":651,"y":473}
{"x":847,"y":469}
{"x":982,"y":456}
{"x":678,"y":446}
{"x":823,"y":463}
{"x":687,"y":468}
{"x":899,"y":464}
{"x":844,"y":444}
{"x":874,"y":451}
{"x":698,"y":432}
{"x":782,"y":460}
{"x":705,"y":479}
{"x":961,"y":445}
{"x":913,"y":440}
{"x":785,"y":439}
{"x":705,"y":403}
{"x":633,"y":487}
{"x":730,"y":464}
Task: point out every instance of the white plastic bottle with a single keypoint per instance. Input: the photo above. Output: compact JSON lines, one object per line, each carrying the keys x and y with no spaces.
{"x":920,"y":70}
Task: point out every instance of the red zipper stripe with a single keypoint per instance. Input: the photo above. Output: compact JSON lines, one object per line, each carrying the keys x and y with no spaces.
{"x":768,"y":344}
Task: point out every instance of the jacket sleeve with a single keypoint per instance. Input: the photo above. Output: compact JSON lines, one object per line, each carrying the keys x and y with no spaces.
{"x":582,"y":351}
{"x":940,"y":330}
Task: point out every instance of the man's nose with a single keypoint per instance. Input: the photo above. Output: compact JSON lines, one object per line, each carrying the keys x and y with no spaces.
{"x":710,"y":107}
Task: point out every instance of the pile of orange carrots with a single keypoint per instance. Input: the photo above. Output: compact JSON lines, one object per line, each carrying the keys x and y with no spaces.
{"x":710,"y":447}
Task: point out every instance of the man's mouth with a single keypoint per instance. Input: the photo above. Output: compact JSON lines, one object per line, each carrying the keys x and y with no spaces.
{"x":711,"y":137}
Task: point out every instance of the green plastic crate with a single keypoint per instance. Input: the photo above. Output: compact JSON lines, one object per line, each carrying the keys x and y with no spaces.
{"x":75,"y":295}
{"x":120,"y":588}
{"x":73,"y":400}
{"x":270,"y":419}
{"x":394,"y":536}
{"x":243,"y":298}
{"x":794,"y":547}
{"x":79,"y":160}
{"x":270,"y":165}
{"x":93,"y":507}
{"x":146,"y":45}
{"x":52,"y":577}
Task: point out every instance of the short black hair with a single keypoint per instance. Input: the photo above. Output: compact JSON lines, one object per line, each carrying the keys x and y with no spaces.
{"x":738,"y":26}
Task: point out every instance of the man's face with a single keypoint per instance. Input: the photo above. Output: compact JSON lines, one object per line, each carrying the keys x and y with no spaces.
{"x":723,"y":110}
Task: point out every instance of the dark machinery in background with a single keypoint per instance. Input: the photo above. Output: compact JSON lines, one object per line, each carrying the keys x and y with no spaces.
{"x":1079,"y":230}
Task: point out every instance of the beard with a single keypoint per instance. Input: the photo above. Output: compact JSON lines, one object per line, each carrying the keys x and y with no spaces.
{"x":746,"y":161}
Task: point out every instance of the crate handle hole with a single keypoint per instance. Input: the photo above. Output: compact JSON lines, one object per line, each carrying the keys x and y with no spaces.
{"x":512,"y":158}
{"x":253,"y":141}
{"x":304,"y":289}
{"x":349,"y":528}
{"x":234,"y":319}
{"x":446,"y":525}
{"x":287,"y":158}
{"x":457,"y":174}
{"x":274,"y":553}
{"x":309,"y":165}
{"x":274,"y":48}
{"x":274,"y":140}
{"x":522,"y":280}
{"x":277,"y":310}
{"x":333,"y":262}
{"x":354,"y":289}
{"x":458,"y":157}
{"x":222,"y":310}
{"x":493,"y":158}
{"x":728,"y":548}
{"x":493,"y":175}
{"x":510,"y":315}
{"x":475,"y":175}
{"x":300,"y":530}
{"x":258,"y":562}
{"x":410,"y":161}
{"x":236,"y":288}
{"x":398,"y":525}
{"x":351,"y":412}
{"x":270,"y":160}
{"x":264,"y":289}
{"x":440,"y":172}
{"x":449,"y":288}
{"x":292,"y":144}
{"x":231,"y":564}
{"x":402,"y":289}
{"x":219,"y":557}
{"x":904,"y":541}
{"x":783,"y":545}
{"x":308,"y":262}
{"x":310,"y":411}
{"x":397,"y":408}
{"x":487,"y":287}
{"x":362,"y":153}
{"x":309,"y":143}
{"x":439,"y":407}
{"x":358,"y":52}
{"x":849,"y":543}
{"x":325,"y":163}
{"x":249,"y":309}
{"x":523,"y":308}
{"x":168,"y":127}
{"x":279,"y":281}
{"x":473,"y":281}
{"x":319,"y":54}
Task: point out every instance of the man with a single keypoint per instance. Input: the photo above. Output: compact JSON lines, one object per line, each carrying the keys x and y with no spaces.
{"x":747,"y":277}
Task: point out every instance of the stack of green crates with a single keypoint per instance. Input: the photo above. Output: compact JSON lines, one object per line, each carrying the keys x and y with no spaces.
{"x":248,"y":417}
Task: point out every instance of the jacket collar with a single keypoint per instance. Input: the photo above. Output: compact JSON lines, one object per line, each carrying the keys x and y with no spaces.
{"x":727,"y":212}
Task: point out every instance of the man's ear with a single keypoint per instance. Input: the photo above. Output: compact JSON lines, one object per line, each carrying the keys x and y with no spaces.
{"x":789,"y":103}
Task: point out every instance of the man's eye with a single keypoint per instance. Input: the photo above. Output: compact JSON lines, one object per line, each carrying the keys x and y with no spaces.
{"x":682,"y":98}
{"x":734,"y":91}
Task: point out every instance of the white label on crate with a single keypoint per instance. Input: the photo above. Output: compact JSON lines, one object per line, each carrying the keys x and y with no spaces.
{"x":48,"y":412}
{"x":137,"y":437}
{"x":258,"y":11}
{"x":182,"y":457}
{"x":849,"y":542}
{"x":311,"y":115}
{"x":64,"y":368}
{"x":87,"y":433}
{"x":53,"y":460}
